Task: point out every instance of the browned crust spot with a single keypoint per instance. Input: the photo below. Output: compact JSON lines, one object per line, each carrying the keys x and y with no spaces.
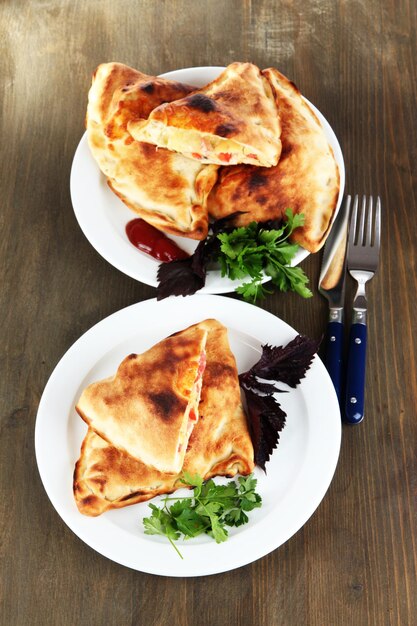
{"x":201,"y":102}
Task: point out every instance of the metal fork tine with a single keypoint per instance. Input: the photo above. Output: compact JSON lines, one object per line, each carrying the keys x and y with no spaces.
{"x":377,"y":237}
{"x":361,"y":229}
{"x":353,"y":220}
{"x":369,"y":224}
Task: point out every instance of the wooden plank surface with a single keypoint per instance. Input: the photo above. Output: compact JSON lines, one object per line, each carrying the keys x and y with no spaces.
{"x":354,"y":562}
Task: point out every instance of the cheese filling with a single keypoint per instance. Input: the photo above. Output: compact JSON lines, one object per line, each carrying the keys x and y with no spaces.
{"x":204,"y":147}
{"x":191,"y":413}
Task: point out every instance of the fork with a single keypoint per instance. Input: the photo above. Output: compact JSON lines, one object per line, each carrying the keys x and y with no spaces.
{"x":362,"y":262}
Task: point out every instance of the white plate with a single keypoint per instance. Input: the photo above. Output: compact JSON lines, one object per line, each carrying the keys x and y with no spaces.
{"x":102,"y":216}
{"x":298,"y":474}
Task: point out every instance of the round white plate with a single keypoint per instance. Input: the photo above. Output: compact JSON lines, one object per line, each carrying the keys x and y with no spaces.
{"x":298,"y":474}
{"x":102,"y":216}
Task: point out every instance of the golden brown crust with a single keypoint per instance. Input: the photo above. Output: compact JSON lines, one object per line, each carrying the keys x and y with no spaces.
{"x":306,"y":178}
{"x":222,"y":437}
{"x":178,"y":206}
{"x":166,"y":189}
{"x":238,"y":105}
{"x":142,"y":409}
{"x":107,"y":478}
{"x":120,"y":94}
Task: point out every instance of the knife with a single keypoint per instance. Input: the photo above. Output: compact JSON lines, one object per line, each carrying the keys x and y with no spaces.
{"x":332,"y":287}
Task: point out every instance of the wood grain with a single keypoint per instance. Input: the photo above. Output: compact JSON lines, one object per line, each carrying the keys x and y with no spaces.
{"x":354,"y":562}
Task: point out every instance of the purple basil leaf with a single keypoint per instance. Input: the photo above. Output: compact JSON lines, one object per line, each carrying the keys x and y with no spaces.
{"x":266,"y":420}
{"x":198,"y":261}
{"x":271,"y":224}
{"x":287,"y":364}
{"x":225,"y":223}
{"x":186,"y":276}
{"x":179,"y":278}
{"x":248,"y":381}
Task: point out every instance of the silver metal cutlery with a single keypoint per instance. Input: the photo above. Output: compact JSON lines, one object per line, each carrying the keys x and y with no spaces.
{"x":359,"y":254}
{"x":332,"y":287}
{"x":362,"y":262}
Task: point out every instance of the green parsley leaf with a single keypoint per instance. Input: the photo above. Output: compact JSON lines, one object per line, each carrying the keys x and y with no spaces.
{"x":236,"y":517}
{"x":190,"y":523}
{"x":209,"y":510}
{"x":270,"y":236}
{"x":179,"y":506}
{"x":218,"y":531}
{"x":294,"y":221}
{"x":254,"y":250}
{"x":253,"y":291}
{"x":162,"y":523}
{"x":193,"y":480}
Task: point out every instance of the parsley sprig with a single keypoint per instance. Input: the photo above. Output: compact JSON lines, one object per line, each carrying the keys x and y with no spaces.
{"x":245,"y":252}
{"x":209,"y":510}
{"x":254,"y":250}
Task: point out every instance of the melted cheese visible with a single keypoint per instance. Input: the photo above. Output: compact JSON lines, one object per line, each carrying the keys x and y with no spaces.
{"x":188,"y":423}
{"x":204,"y":147}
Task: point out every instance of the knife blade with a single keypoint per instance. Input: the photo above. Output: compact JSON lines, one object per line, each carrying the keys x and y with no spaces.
{"x":332,"y":286}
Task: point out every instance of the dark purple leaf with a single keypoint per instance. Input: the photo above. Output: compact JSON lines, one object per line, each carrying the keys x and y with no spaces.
{"x":186,"y":276}
{"x":266,"y":420}
{"x":179,"y":278}
{"x":198,"y":261}
{"x":272,"y":224}
{"x":287,"y":364}
{"x":225,"y":223}
{"x":248,"y":381}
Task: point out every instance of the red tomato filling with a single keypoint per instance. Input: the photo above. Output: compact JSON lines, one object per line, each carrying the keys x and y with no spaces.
{"x":225,"y":156}
{"x":202,"y":364}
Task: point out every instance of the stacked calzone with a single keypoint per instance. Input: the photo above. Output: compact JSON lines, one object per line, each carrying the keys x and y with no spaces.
{"x":166,"y":189}
{"x":305,"y":179}
{"x":176,"y":407}
{"x":246,"y":143}
{"x":232,"y":120}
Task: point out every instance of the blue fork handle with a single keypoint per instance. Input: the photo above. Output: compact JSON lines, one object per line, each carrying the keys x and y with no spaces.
{"x":334,"y":353}
{"x":355,"y":377}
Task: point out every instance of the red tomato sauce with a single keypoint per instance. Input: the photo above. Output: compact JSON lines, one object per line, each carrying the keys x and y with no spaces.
{"x":149,"y":239}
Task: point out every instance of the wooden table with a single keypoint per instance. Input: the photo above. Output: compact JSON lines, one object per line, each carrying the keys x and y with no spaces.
{"x":354,"y":562}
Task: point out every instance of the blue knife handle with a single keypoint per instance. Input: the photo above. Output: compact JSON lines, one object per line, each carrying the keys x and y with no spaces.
{"x":334,"y":353}
{"x":355,"y":377}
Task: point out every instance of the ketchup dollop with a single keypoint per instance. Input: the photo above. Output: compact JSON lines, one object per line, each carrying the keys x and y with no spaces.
{"x":149,"y":239}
